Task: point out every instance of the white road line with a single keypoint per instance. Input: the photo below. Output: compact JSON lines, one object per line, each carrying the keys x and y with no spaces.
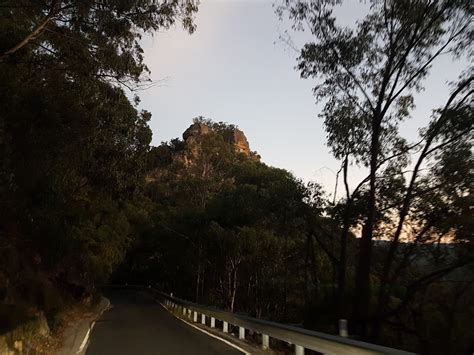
{"x":85,"y":341}
{"x":208,"y":333}
{"x":86,"y":338}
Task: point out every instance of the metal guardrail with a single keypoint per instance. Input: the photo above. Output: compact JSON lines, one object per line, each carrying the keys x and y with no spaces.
{"x":299,"y":337}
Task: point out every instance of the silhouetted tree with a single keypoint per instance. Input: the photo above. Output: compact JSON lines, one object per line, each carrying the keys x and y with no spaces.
{"x":73,"y":148}
{"x":367,"y":76}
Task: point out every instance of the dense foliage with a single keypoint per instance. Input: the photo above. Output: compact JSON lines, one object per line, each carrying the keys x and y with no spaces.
{"x":84,"y":198}
{"x":367,"y":76}
{"x":72,"y":146}
{"x":226,"y":229}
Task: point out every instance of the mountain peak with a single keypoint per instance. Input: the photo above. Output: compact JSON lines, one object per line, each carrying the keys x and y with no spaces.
{"x":231,"y":134}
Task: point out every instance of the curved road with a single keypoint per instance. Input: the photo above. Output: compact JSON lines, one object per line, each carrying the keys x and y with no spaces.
{"x":138,"y":325}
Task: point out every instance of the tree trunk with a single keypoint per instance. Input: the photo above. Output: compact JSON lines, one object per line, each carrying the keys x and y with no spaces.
{"x":341,"y":273}
{"x":384,"y":292}
{"x":198,"y":283}
{"x":234,"y":288}
{"x":198,"y":274}
{"x":362,"y":280}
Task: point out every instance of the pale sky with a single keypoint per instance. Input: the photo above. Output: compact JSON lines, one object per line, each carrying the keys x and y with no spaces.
{"x":235,"y":69}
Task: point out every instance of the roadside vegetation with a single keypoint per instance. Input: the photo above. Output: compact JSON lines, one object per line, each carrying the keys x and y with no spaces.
{"x":72,"y":145}
{"x":85,"y":199}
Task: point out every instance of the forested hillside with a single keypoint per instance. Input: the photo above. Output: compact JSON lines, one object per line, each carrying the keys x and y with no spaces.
{"x":86,"y":200}
{"x":228,"y":230}
{"x":73,"y":147}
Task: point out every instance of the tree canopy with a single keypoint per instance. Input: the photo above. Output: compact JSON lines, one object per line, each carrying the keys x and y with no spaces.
{"x":227,"y":224}
{"x":85,"y":199}
{"x":367,"y":77}
{"x":73,"y":147}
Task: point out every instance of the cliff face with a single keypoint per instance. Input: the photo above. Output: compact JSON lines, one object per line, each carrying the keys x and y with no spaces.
{"x":197,"y":132}
{"x":237,"y":138}
{"x":204,"y":147}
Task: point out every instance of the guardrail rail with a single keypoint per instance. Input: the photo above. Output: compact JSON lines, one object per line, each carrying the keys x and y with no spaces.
{"x":300,"y":338}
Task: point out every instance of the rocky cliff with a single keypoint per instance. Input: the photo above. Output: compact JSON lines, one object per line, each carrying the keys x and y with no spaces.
{"x":203,"y":150}
{"x":198,"y":131}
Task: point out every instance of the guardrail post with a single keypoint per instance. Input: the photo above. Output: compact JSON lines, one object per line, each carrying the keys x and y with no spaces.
{"x":299,"y":350}
{"x":294,"y":336}
{"x":241,"y":333}
{"x":343,"y":328}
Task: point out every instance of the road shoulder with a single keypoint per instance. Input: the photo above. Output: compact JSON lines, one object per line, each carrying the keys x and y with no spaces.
{"x":76,"y":335}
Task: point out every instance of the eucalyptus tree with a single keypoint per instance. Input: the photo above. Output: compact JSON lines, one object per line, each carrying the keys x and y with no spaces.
{"x":72,"y":145}
{"x":368,"y":76}
{"x":231,"y":226}
{"x":95,"y":37}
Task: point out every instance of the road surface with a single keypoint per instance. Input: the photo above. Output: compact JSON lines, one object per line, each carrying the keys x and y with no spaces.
{"x":138,"y":325}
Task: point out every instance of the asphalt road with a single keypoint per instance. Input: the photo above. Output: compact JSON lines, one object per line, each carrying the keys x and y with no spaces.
{"x":138,"y":325}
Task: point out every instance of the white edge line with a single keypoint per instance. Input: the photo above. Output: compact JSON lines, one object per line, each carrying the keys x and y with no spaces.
{"x":208,"y":333}
{"x":86,"y":339}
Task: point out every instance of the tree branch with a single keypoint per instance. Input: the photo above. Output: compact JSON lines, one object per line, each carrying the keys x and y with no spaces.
{"x":38,"y":30}
{"x":424,"y":281}
{"x":408,"y":196}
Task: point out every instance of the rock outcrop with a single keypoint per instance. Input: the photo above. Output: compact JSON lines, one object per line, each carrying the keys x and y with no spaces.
{"x":204,"y":152}
{"x":197,"y":132}
{"x":202,"y":146}
{"x":237,"y":138}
